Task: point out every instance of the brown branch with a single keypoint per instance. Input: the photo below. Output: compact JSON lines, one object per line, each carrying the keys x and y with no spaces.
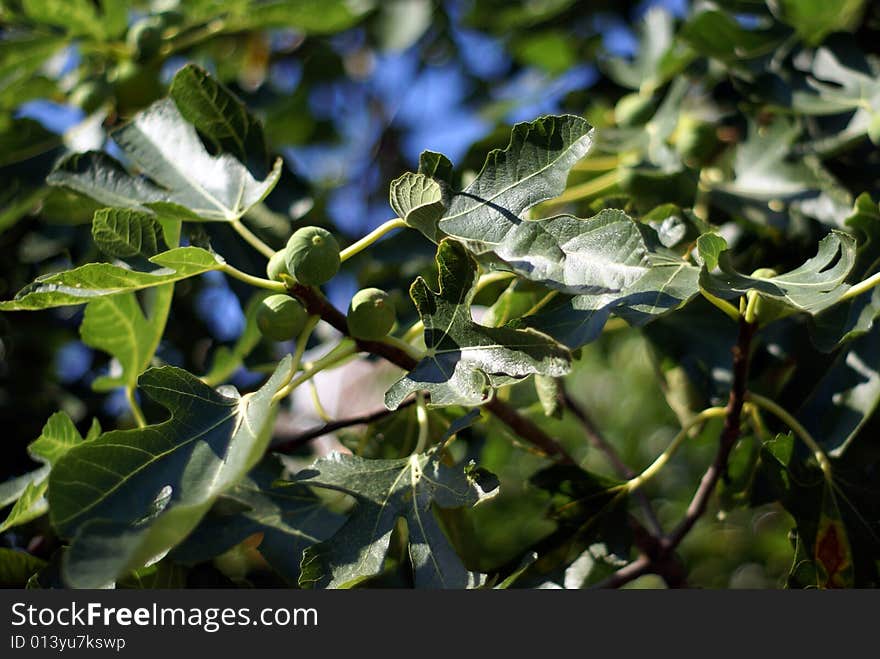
{"x":595,"y":437}
{"x":631,"y":571}
{"x":661,"y":558}
{"x":317,"y":304}
{"x":729,"y":435}
{"x":304,"y":437}
{"x":528,"y":430}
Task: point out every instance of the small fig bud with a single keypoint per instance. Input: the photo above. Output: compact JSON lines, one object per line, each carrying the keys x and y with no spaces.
{"x":277,"y":266}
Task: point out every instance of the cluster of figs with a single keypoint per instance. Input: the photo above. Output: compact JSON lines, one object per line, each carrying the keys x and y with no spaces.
{"x":311,"y":258}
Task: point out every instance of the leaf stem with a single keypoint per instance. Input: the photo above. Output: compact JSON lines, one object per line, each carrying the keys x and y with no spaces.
{"x":424,"y":427}
{"x":136,"y":411}
{"x":788,"y":419}
{"x":370,"y":238}
{"x":491,"y":278}
{"x":540,"y":304}
{"x":751,"y":315}
{"x":861,"y":287}
{"x":251,"y":239}
{"x":259,"y":282}
{"x":192,"y":38}
{"x":729,"y":310}
{"x":339,"y":354}
{"x":654,"y":468}
{"x":587,"y":189}
{"x":413,"y":332}
{"x":597,"y":164}
{"x":316,"y":402}
{"x":301,"y":342}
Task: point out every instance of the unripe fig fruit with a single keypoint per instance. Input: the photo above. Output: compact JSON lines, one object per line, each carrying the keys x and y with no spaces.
{"x":135,"y":86}
{"x":281,"y":317}
{"x":695,"y":140}
{"x":312,"y":256}
{"x":370,"y":314}
{"x":767,"y":309}
{"x":144,"y":38}
{"x":90,"y":94}
{"x":277,"y":266}
{"x":633,"y":110}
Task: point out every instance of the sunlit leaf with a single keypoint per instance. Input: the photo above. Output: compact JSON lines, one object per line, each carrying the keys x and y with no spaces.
{"x":810,"y":288}
{"x":179,"y":170}
{"x":118,"y":325}
{"x":125,"y":498}
{"x":466,"y":359}
{"x":217,"y":113}
{"x":387,"y":490}
{"x":59,"y":435}
{"x":95,"y":280}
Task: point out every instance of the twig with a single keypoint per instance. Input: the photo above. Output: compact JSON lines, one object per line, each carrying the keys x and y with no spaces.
{"x":729,"y":435}
{"x":629,"y":572}
{"x":316,"y":303}
{"x":306,"y":436}
{"x":659,"y":559}
{"x":594,"y":436}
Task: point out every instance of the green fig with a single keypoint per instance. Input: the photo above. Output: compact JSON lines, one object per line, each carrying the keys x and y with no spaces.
{"x":144,"y":38}
{"x":281,"y":317}
{"x":312,"y":256}
{"x":370,"y":315}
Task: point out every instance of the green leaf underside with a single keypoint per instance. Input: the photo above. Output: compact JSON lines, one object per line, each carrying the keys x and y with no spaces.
{"x":290,"y":518}
{"x":387,"y":490}
{"x":95,"y":280}
{"x":655,"y":61}
{"x":810,"y":288}
{"x":837,"y":87}
{"x":418,"y":200}
{"x":58,"y":436}
{"x":533,"y":168}
{"x":667,"y":283}
{"x":217,"y":113}
{"x":764,"y":173}
{"x":179,"y":170}
{"x":117,"y":325}
{"x":845,"y":398}
{"x":603,"y":261}
{"x":854,"y":317}
{"x":128,"y":496}
{"x":466,"y":359}
{"x":125,"y":232}
{"x":710,"y":246}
